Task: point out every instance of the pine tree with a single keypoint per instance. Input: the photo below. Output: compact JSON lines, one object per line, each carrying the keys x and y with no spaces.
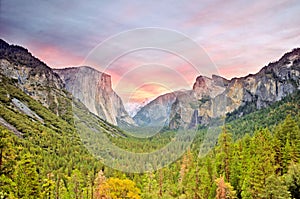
{"x":292,"y":180}
{"x":275,"y":188}
{"x":287,"y":138}
{"x":260,"y":166}
{"x":224,"y":153}
{"x":8,"y":155}
{"x":149,"y":185}
{"x":186,"y":173}
{"x":288,"y":130}
{"x":26,"y":178}
{"x":236,"y":169}
{"x":207,"y":185}
{"x":76,"y":184}
{"x":48,"y":187}
{"x":286,"y":156}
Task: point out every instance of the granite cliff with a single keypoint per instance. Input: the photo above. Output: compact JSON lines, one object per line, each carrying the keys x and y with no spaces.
{"x":156,"y":112}
{"x":94,"y":90}
{"x":216,"y":96}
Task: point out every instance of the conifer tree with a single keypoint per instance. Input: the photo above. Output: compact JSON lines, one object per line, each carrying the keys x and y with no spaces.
{"x":292,"y":180}
{"x":8,"y":155}
{"x":26,"y":178}
{"x":224,"y":153}
{"x":260,"y":166}
{"x":275,"y":188}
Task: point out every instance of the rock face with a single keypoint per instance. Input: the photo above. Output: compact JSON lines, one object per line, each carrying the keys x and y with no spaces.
{"x":174,"y":108}
{"x":94,"y":90}
{"x":156,"y":112}
{"x":209,"y":87}
{"x":32,"y":76}
{"x":215,"y":97}
{"x":168,"y":108}
{"x":193,"y":107}
{"x":212,"y":98}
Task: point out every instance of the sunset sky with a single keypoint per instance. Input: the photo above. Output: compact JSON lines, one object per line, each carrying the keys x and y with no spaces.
{"x":240,"y":37}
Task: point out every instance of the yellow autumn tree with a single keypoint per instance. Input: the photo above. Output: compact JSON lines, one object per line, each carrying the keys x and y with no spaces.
{"x":115,"y":188}
{"x":224,"y":190}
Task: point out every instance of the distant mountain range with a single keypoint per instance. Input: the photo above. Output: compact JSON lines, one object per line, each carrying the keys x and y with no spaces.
{"x":209,"y":98}
{"x":215,"y":97}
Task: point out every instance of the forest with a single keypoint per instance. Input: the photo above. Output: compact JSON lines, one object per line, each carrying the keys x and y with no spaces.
{"x":255,"y":156}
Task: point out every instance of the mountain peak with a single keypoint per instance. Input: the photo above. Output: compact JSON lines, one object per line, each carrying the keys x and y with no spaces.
{"x":33,"y":76}
{"x":201,"y":82}
{"x":102,"y":80}
{"x":19,"y":55}
{"x":3,"y":43}
{"x":294,"y":54}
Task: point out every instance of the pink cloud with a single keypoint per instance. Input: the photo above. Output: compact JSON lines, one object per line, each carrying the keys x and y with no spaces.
{"x":54,"y":56}
{"x":147,"y":91}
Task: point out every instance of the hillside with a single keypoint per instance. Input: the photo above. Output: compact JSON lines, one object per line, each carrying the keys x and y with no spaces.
{"x":53,"y":144}
{"x":38,"y":135}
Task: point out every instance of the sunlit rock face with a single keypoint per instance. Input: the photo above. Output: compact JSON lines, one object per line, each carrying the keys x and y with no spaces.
{"x":210,"y":87}
{"x":94,"y":90}
{"x":178,"y":108}
{"x":196,"y":106}
{"x":216,"y":96}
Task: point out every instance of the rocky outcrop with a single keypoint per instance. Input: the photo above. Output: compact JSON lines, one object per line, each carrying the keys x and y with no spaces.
{"x":23,"y":108}
{"x":191,"y":108}
{"x":94,"y":90}
{"x":209,"y":87}
{"x":32,"y":76}
{"x":212,"y":98}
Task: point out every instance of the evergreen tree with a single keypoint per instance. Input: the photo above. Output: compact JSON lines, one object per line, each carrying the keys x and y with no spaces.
{"x":292,"y":180}
{"x":224,"y":153}
{"x":76,"y":184}
{"x":261,"y":165}
{"x":288,"y":130}
{"x":26,"y":178}
{"x":48,"y":187}
{"x":8,"y":155}
{"x":275,"y":188}
{"x":149,"y":186}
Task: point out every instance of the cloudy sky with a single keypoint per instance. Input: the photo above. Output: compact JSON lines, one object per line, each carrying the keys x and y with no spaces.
{"x":239,"y":37}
